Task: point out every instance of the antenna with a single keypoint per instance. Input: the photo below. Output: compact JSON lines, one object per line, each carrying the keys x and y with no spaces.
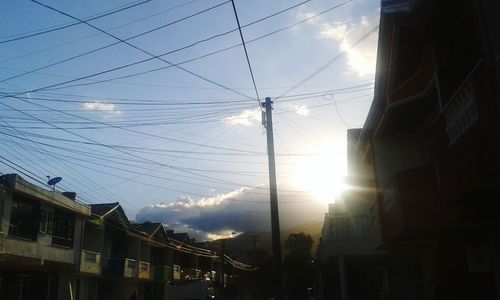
{"x":53,"y":181}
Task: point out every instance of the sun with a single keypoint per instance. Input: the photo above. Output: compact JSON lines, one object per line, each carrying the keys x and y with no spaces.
{"x":322,"y":174}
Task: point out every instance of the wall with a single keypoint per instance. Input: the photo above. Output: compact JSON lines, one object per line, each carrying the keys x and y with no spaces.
{"x":93,"y":238}
{"x":395,"y":153}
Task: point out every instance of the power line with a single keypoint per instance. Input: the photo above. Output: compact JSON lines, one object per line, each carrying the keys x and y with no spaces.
{"x":153,"y":56}
{"x":126,"y":129}
{"x":174,"y":245}
{"x":65,"y":166}
{"x":185,"y":47}
{"x":246,"y":55}
{"x":130,"y":154}
{"x":118,"y":42}
{"x":95,"y":34}
{"x":214,"y":52}
{"x":328,"y":63}
{"x":194,"y":102}
{"x":74,"y":24}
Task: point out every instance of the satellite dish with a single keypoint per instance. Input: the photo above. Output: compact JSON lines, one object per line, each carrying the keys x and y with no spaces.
{"x":53,"y":181}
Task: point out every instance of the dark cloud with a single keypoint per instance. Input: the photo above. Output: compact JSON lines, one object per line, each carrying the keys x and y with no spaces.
{"x":245,"y":209}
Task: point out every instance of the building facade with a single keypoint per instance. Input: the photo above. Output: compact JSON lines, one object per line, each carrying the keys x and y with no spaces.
{"x":54,"y":248}
{"x":432,"y":141}
{"x":428,"y":151}
{"x":40,"y":241}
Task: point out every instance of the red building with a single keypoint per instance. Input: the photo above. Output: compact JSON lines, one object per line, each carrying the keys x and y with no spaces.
{"x":431,"y":143}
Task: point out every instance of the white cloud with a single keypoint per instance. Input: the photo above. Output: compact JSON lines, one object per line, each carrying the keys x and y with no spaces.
{"x":361,"y":59}
{"x":247,"y":117}
{"x":109,"y":108}
{"x":242,"y":210}
{"x":302,"y":110}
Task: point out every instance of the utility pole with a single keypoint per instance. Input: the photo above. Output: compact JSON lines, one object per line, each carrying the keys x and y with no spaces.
{"x":267,"y":121}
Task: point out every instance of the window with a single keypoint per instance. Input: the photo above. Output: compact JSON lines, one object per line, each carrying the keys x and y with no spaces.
{"x":61,"y":227}
{"x":43,"y":221}
{"x":24,"y":218}
{"x":50,"y":223}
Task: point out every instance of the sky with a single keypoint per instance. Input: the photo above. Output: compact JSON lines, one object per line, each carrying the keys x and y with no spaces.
{"x":152,"y":104}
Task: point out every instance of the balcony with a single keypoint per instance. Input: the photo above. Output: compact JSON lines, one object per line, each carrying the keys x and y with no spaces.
{"x":121,"y":267}
{"x":144,"y":270}
{"x":161,"y":273}
{"x":409,"y":203}
{"x":90,"y":262}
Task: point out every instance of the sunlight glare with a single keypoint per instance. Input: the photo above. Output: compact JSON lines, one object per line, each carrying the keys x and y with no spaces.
{"x":322,"y":175}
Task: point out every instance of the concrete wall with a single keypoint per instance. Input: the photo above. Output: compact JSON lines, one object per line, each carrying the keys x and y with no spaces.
{"x":6,"y":204}
{"x":93,"y":238}
{"x":133,"y":248}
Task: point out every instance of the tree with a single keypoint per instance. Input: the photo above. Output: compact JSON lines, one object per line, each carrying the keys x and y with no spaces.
{"x":298,"y":266}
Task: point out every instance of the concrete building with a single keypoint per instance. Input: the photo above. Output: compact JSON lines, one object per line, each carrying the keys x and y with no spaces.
{"x":135,"y":259}
{"x":54,"y":248}
{"x":161,"y":260}
{"x":40,"y":241}
{"x":124,"y":253}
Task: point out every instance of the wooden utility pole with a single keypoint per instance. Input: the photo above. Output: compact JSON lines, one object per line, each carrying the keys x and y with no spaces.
{"x":275,"y":219}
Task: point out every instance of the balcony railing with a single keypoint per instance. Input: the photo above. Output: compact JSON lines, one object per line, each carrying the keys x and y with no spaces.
{"x":90,"y":262}
{"x":121,"y":267}
{"x":144,"y":270}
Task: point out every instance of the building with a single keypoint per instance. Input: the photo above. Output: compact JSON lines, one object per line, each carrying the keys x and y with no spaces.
{"x":52,"y":247}
{"x":161,"y":260}
{"x":40,"y":241}
{"x":351,"y":258}
{"x":431,"y":142}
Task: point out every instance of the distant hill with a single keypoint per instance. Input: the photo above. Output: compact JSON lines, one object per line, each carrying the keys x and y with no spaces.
{"x":242,"y":244}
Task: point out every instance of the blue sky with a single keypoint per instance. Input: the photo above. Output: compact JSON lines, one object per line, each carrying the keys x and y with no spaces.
{"x":167,"y":141}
